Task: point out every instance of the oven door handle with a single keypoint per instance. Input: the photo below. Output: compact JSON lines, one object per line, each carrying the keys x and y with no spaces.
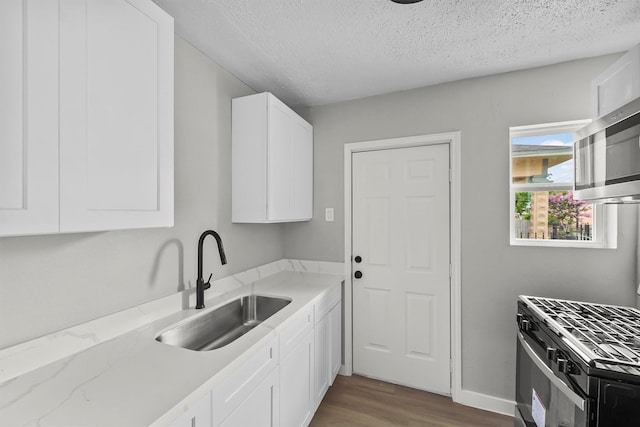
{"x":564,"y":388}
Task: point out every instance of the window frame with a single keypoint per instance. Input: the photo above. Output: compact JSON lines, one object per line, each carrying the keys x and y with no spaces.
{"x":604,"y":216}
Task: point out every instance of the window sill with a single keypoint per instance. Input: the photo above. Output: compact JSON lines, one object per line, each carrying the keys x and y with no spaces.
{"x":563,"y":243}
{"x":607,"y":224}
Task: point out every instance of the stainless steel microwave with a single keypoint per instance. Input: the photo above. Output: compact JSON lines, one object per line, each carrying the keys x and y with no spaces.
{"x":607,"y":157}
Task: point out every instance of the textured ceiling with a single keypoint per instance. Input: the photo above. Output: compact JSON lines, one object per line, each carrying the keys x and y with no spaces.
{"x":315,"y":52}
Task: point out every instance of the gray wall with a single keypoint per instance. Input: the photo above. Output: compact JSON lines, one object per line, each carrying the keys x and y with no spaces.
{"x":493,"y":272}
{"x":51,"y":282}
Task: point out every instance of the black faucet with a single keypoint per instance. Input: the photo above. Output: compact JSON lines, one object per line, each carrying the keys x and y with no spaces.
{"x":201,"y":285}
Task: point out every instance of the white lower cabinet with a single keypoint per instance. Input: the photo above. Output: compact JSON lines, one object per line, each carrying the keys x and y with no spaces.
{"x":296,"y":369}
{"x":335,"y":341}
{"x":296,"y":384}
{"x":328,"y":344}
{"x":283,"y":383}
{"x":321,"y":368}
{"x":240,"y":391}
{"x":261,"y":408}
{"x":198,"y":416}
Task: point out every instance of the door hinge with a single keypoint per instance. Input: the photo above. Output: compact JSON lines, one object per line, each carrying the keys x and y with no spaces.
{"x":450,"y":175}
{"x":450,"y":271}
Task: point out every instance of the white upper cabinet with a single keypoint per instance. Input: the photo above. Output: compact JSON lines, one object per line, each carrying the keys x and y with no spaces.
{"x":28,"y":117}
{"x":272,"y":162}
{"x":617,"y":85}
{"x":103,"y":123}
{"x":116,"y":115}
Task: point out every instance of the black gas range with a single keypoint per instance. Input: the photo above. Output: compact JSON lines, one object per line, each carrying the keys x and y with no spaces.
{"x":578,"y":364}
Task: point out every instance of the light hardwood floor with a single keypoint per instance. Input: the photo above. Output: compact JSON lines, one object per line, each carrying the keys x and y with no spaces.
{"x":362,"y":402}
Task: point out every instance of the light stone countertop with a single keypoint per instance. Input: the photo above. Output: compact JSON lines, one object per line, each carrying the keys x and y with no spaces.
{"x":133,"y":380}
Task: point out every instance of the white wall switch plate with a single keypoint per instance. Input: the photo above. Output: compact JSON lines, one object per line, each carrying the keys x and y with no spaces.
{"x":328,"y":214}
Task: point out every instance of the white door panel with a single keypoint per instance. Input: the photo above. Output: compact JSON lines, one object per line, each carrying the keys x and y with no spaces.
{"x":301,"y":183}
{"x":335,"y":341}
{"x":278,"y":171}
{"x":401,"y":319}
{"x":12,"y":86}
{"x":115,"y":115}
{"x":296,"y":383}
{"x":261,"y":408}
{"x":122,"y":111}
{"x":28,"y":117}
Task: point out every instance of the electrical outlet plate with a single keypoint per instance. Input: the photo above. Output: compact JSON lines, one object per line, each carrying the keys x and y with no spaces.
{"x":328,"y":215}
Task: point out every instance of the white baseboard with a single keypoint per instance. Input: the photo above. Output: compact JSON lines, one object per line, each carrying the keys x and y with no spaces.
{"x":486,"y":402}
{"x":344,"y":371}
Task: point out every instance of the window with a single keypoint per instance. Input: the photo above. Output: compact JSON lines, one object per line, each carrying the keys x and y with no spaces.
{"x":543,"y":211}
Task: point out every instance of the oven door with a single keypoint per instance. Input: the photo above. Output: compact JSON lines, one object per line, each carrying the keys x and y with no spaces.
{"x":618,"y":404}
{"x":544,"y":399}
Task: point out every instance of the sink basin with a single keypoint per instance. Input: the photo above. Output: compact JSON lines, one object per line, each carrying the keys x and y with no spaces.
{"x":223,"y":325}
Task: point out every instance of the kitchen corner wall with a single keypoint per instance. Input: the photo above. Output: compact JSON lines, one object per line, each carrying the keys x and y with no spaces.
{"x":48,"y":283}
{"x":493,"y":272}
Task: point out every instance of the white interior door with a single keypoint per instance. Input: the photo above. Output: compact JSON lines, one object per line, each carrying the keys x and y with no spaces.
{"x":401,"y":231}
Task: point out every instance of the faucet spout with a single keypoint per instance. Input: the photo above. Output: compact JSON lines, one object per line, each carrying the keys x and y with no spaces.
{"x":201,"y":285}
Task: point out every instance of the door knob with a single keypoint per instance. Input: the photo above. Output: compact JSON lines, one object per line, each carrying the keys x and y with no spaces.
{"x":358,"y":274}
{"x":358,"y":259}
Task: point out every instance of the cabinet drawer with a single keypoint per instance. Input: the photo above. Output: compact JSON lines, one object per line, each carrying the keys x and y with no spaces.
{"x":326,"y":303}
{"x":227,"y":396}
{"x":295,"y":329}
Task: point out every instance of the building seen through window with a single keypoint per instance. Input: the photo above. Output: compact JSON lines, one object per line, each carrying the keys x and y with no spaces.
{"x":543,"y":164}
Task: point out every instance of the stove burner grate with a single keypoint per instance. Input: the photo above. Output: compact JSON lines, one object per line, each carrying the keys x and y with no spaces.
{"x":608,"y":334}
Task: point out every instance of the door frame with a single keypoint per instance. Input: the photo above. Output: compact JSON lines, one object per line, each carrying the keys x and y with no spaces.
{"x":453,"y":140}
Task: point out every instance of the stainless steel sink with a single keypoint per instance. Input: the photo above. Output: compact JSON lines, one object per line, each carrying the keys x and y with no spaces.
{"x":224,"y":324}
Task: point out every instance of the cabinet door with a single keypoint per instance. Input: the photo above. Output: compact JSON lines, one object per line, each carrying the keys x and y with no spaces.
{"x":321,"y":362}
{"x":617,"y":85}
{"x":261,"y":408}
{"x":116,"y":115}
{"x":279,"y":158}
{"x":230,"y":394}
{"x":335,"y":341}
{"x":296,"y":384}
{"x":198,"y":416}
{"x":301,"y":181}
{"x":28,"y":117}
{"x":249,"y":158}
